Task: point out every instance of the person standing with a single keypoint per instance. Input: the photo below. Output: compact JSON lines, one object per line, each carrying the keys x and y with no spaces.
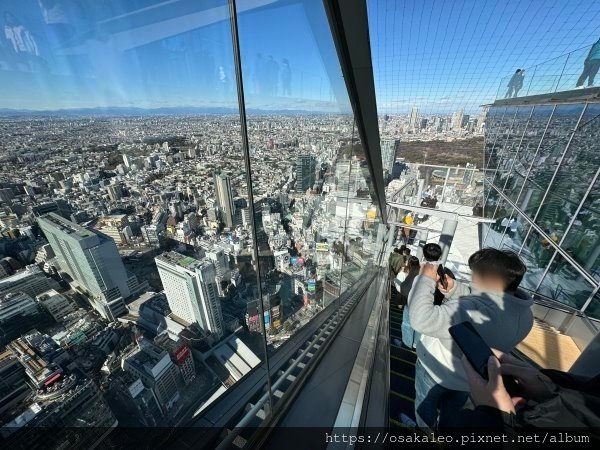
{"x":286,"y":78}
{"x":492,"y":303}
{"x":411,"y":271}
{"x":590,"y":65}
{"x":515,"y":83}
{"x":408,"y":220}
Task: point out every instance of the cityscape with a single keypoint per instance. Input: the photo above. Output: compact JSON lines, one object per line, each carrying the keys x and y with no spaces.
{"x":188,"y":201}
{"x":121,"y":245}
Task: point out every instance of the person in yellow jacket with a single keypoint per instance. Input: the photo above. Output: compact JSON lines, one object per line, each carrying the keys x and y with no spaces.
{"x":408,"y":220}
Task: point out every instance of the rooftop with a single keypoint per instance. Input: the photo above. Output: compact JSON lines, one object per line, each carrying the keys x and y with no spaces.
{"x":187,"y":262}
{"x":66,"y":226}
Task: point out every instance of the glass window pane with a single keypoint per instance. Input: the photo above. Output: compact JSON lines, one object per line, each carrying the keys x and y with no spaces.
{"x":503,"y":132}
{"x":511,"y":145}
{"x":493,"y":125}
{"x":593,"y":310}
{"x":536,"y":255}
{"x":583,"y":239}
{"x":573,"y":178}
{"x":306,"y":164}
{"x":561,"y":127}
{"x":494,"y":236}
{"x":135,"y":129}
{"x":565,"y":284}
{"x":525,"y":153}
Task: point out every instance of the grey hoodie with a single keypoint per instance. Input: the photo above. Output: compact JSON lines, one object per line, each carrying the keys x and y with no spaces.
{"x":502,"y":319}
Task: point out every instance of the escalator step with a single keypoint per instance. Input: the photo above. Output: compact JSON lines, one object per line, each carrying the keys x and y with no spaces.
{"x":402,"y":386}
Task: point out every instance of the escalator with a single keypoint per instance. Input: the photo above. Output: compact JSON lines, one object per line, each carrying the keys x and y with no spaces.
{"x":402,"y":369}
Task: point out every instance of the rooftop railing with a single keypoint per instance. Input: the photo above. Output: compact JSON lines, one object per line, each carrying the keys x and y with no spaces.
{"x":564,"y":73}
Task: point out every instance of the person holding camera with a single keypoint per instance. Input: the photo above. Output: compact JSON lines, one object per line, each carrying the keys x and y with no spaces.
{"x":499,"y":312}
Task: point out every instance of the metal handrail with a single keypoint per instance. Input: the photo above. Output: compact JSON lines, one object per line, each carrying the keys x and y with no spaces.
{"x":549,"y":76}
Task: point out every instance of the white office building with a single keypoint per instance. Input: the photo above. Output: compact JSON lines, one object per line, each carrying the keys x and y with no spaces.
{"x":191,"y":290}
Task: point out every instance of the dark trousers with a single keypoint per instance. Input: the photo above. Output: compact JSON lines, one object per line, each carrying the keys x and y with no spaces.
{"x":590,"y":69}
{"x":430,"y":396}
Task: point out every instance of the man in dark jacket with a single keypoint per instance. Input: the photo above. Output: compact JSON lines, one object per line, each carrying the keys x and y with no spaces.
{"x":398,"y":259}
{"x":539,"y":399}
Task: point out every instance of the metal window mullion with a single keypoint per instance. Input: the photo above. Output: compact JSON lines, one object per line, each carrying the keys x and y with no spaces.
{"x":512,"y":214}
{"x":546,"y":270}
{"x":589,"y":300}
{"x":525,"y":240}
{"x":537,"y":150}
{"x":495,"y":140}
{"x":580,"y":207}
{"x":247,"y":164}
{"x":559,"y":165}
{"x":505,"y":142}
{"x":519,"y":147}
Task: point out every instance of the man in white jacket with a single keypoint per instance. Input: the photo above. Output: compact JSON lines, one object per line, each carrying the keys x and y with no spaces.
{"x":492,"y":303}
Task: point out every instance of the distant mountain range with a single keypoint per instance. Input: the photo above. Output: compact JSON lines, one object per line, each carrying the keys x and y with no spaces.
{"x":131,"y":111}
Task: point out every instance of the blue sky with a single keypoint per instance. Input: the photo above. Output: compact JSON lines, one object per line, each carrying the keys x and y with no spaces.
{"x":439,"y":55}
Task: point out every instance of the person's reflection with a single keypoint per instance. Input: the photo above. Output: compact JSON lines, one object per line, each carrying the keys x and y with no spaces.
{"x":22,"y":44}
{"x":286,"y":78}
{"x":259,"y":74}
{"x":57,"y":23}
{"x":272,"y":76}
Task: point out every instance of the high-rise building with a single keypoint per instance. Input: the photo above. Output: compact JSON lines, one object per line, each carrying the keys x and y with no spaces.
{"x":349,"y":178}
{"x":115,"y":192}
{"x":389,"y":147}
{"x":224,"y":198}
{"x":191,"y":290}
{"x":413,"y":118}
{"x":305,"y":172}
{"x":92,"y":260}
{"x":457,"y":119}
{"x":59,"y":206}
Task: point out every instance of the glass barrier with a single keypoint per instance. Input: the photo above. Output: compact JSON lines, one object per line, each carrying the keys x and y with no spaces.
{"x":313,"y":211}
{"x":573,"y":70}
{"x":551,"y":174}
{"x":519,"y":164}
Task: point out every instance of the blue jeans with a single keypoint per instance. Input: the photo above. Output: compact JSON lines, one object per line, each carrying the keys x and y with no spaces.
{"x":409,"y":336}
{"x":429,"y":396}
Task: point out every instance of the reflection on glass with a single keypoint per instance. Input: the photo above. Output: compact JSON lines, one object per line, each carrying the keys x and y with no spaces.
{"x":561,"y":126}
{"x":536,"y":253}
{"x":493,"y":125}
{"x":500,"y":213}
{"x":500,"y":133}
{"x":510,"y":145}
{"x":313,"y":212}
{"x":572,"y":180}
{"x":526,"y":153}
{"x":583,"y":239}
{"x":565,"y":284}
